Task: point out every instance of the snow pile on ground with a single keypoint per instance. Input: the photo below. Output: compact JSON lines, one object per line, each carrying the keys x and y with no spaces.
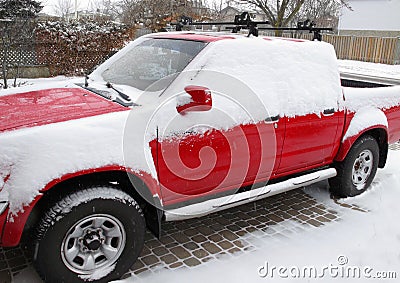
{"x":368,"y":242}
{"x":369,"y":69}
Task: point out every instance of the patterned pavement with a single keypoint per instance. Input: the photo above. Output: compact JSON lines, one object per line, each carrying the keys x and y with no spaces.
{"x":186,"y":244}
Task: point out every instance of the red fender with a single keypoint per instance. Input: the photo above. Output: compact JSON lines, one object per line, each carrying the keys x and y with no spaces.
{"x":15,"y":224}
{"x":348,"y":143}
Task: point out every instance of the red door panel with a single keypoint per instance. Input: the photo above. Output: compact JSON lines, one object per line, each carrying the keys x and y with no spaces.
{"x":196,"y":165}
{"x":309,"y":141}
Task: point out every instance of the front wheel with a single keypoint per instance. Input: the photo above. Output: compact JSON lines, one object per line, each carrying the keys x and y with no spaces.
{"x":356,"y":172}
{"x":92,"y":235}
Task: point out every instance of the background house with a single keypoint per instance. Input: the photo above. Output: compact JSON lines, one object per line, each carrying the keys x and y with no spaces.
{"x":371,"y":18}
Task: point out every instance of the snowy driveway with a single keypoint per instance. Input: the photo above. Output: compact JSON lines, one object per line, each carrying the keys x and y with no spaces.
{"x":302,"y":228}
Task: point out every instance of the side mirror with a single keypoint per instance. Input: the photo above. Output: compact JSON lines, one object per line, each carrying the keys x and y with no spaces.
{"x":199,"y":100}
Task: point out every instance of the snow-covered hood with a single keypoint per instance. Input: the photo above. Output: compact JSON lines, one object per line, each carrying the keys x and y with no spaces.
{"x":46,"y":106}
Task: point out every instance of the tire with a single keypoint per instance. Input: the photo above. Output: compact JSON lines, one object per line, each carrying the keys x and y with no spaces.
{"x":92,"y":235}
{"x":356,"y":172}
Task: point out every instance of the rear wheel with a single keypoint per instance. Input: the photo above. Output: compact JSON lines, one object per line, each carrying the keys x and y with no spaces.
{"x":356,"y":172}
{"x":92,"y":235}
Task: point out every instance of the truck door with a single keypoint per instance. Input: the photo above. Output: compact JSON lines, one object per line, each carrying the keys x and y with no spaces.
{"x":207,"y":159}
{"x":309,"y":140}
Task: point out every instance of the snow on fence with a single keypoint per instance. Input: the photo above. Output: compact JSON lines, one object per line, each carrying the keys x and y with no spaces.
{"x":384,"y":50}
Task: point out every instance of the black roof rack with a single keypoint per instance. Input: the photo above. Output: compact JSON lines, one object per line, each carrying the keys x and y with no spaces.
{"x":244,"y":21}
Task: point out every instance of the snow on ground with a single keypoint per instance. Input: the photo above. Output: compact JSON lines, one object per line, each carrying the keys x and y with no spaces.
{"x":362,"y":243}
{"x":371,"y":69}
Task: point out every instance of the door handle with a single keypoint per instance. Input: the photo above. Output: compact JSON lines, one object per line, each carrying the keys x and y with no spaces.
{"x":329,"y":112}
{"x":197,"y":129}
{"x":273,"y":119}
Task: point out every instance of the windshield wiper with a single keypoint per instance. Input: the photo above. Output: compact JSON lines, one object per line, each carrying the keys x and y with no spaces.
{"x":107,"y":95}
{"x":102,"y":93}
{"x":86,"y":80}
{"x":123,"y":95}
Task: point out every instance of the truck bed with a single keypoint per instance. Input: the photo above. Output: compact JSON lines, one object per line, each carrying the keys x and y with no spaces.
{"x":364,"y":81}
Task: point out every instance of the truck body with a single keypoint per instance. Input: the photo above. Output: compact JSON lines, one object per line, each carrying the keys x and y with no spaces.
{"x":184,"y":124}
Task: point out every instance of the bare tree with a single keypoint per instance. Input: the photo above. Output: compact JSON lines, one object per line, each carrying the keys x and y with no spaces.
{"x":64,"y":8}
{"x":217,"y":6}
{"x":281,"y":13}
{"x":104,"y":7}
{"x":155,"y":13}
{"x":322,"y":12}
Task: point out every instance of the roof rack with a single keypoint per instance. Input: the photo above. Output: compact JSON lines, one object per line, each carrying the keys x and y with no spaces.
{"x":244,"y":21}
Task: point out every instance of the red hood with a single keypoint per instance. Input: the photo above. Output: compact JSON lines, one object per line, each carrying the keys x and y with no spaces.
{"x":48,"y":106}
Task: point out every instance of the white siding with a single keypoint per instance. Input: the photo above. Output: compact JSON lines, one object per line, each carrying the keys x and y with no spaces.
{"x":371,"y":15}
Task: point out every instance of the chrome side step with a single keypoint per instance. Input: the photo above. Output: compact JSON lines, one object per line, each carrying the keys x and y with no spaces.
{"x":214,"y":205}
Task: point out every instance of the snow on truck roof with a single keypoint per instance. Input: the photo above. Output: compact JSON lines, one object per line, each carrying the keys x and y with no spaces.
{"x":291,"y":78}
{"x":214,"y":36}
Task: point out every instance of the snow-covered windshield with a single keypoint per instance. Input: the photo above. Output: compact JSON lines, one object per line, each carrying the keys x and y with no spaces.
{"x":152,"y":60}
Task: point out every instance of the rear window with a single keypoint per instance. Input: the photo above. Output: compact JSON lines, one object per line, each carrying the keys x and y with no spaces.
{"x":152,"y":60}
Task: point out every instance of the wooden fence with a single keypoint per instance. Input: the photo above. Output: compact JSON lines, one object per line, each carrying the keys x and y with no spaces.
{"x":369,"y":49}
{"x":384,"y":50}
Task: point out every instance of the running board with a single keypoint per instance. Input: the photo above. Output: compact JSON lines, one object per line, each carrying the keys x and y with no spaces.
{"x":214,"y":205}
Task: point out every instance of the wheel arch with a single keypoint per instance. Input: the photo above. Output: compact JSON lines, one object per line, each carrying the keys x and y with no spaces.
{"x":140,"y":186}
{"x":379,"y":133}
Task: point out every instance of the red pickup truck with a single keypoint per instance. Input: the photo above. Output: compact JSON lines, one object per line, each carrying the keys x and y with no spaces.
{"x":175,"y":126}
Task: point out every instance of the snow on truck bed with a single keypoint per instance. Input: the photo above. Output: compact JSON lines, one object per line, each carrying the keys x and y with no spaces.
{"x":369,"y":106}
{"x":381,"y":97}
{"x":369,"y":69}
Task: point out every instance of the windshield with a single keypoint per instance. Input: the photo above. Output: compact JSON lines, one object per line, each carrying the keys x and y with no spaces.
{"x":152,"y":60}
